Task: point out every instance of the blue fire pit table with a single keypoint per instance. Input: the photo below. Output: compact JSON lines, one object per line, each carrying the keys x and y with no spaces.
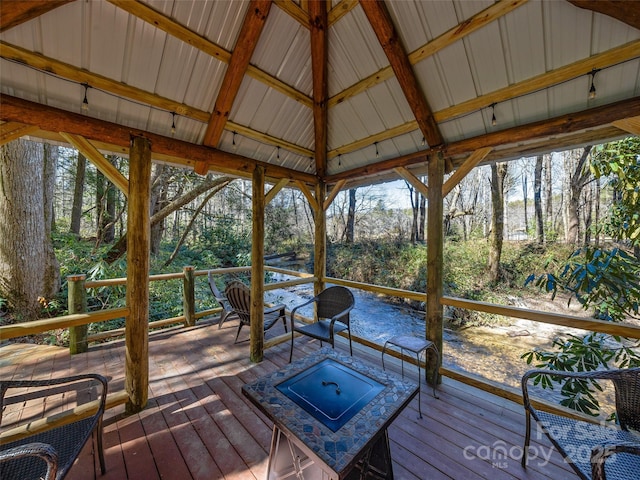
{"x":330,"y":415}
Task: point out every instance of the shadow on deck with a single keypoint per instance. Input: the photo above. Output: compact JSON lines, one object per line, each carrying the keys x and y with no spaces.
{"x":199,"y":425}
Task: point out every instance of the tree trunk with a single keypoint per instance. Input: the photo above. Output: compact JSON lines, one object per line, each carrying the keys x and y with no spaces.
{"x":423,"y":218}
{"x":351,"y":216}
{"x":28,"y":269}
{"x":578,"y":180}
{"x":548,"y":190}
{"x":51,"y":267}
{"x":537,"y":200}
{"x":498,"y":174}
{"x":78,"y":192}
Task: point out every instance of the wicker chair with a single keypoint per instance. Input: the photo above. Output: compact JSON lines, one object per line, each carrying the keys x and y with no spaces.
{"x":50,"y":454}
{"x":239,"y":297}
{"x":227,"y":310}
{"x":332,"y":316}
{"x":587,"y":446}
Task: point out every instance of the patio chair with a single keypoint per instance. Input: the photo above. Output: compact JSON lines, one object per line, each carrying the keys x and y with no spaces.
{"x":332,"y":307}
{"x":50,"y":454}
{"x":227,"y":311}
{"x":587,"y":446}
{"x":239,"y":297}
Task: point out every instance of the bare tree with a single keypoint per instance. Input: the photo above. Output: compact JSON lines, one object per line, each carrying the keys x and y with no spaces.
{"x":578,"y":178}
{"x":537,"y":199}
{"x":78,"y":192}
{"x":351,"y":216}
{"x":498,"y":175}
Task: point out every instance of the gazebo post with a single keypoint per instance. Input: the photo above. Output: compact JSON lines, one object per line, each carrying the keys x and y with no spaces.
{"x":138,"y":246}
{"x":435,"y":238}
{"x":257,"y":266}
{"x":320,"y":243}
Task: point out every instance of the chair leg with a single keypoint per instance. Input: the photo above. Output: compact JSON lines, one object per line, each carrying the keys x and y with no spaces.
{"x":223,"y":316}
{"x":291,"y":351}
{"x":350,"y":344}
{"x":527,"y":439}
{"x":238,"y":332}
{"x":99,"y":434}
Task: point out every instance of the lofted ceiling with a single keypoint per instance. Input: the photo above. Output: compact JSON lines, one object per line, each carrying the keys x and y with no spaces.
{"x":346,"y":91}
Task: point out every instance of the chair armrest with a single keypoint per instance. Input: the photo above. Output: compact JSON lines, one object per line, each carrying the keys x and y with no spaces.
{"x":293,"y":312}
{"x":600,"y":454}
{"x":43,"y":451}
{"x":275,"y":308}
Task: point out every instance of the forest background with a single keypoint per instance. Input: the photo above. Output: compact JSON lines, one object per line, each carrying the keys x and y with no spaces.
{"x":566,"y":222}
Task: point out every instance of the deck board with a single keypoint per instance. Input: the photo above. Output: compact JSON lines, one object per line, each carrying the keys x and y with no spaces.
{"x":199,"y":425}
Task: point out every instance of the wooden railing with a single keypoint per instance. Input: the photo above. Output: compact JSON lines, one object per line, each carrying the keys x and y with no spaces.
{"x":189,"y":275}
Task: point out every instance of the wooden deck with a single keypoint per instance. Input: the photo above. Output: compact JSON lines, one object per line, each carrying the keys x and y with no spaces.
{"x":199,"y":425}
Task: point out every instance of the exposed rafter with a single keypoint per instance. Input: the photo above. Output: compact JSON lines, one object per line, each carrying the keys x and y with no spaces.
{"x":451,"y":36}
{"x":173,"y":28}
{"x":319,"y":54}
{"x":380,"y":20}
{"x":248,"y":38}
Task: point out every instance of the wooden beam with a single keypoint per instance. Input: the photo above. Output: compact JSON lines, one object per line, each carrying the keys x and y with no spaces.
{"x":564,"y":124}
{"x":319,"y":69}
{"x":486,"y":16}
{"x":602,"y":60}
{"x":120,"y":89}
{"x":10,"y":131}
{"x":463,"y":170}
{"x":434,"y":312}
{"x":332,"y":195}
{"x":631,"y":125}
{"x":56,"y":120}
{"x":168,"y":25}
{"x":313,"y":203}
{"x":138,"y":241}
{"x":248,"y":37}
{"x":370,"y":140}
{"x":380,"y":20}
{"x":320,"y":240}
{"x":626,"y":11}
{"x":294,"y":11}
{"x":14,"y":13}
{"x":256,"y":349}
{"x":275,"y":189}
{"x":108,"y":170}
{"x":340,"y":10}
{"x":545,"y":80}
{"x":413,"y":180}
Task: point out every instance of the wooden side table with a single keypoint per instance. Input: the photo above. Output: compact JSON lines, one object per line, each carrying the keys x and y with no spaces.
{"x":417,"y":346}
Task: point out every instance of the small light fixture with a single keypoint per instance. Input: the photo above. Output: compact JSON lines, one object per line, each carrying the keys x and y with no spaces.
{"x":233,"y":142}
{"x":424,"y":140}
{"x":377,"y":153}
{"x":278,"y":154}
{"x":339,"y":159}
{"x":493,"y":115}
{"x":85,"y":102}
{"x":592,"y":88}
{"x":173,"y":123}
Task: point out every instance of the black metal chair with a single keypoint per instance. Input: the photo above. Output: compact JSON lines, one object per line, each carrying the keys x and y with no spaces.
{"x":227,"y":310}
{"x":587,"y":446}
{"x":50,"y":454}
{"x":332,"y":307}
{"x":239,"y":296}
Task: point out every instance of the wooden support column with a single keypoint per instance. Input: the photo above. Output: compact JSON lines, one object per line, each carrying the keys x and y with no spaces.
{"x":320,"y":244}
{"x":77,"y":303}
{"x":257,"y":267}
{"x":189,"y":295}
{"x":138,"y":246}
{"x":435,"y":238}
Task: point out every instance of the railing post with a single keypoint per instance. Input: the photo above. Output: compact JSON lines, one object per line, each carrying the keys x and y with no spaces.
{"x":77,"y":303}
{"x":189,"y":296}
